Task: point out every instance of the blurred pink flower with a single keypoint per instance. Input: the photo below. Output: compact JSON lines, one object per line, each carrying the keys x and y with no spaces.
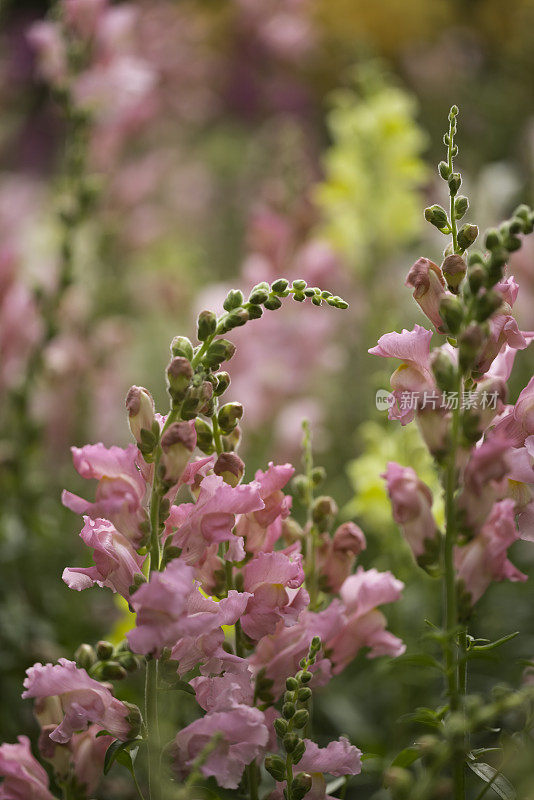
{"x":484,"y":559}
{"x":339,"y":758}
{"x":261,"y":529}
{"x":23,"y":777}
{"x":429,"y":289}
{"x":336,"y":555}
{"x":244,"y":736}
{"x":411,"y":501}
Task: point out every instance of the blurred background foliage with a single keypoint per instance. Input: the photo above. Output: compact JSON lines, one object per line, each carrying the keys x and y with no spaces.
{"x":297,"y":137}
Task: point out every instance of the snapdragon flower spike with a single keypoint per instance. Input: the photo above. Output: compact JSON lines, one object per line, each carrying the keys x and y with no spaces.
{"x":83,"y":700}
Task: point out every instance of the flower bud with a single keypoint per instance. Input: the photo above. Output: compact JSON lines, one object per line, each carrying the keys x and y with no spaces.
{"x":219,"y":351}
{"x":323,"y":512}
{"x":467,"y":235}
{"x":259,"y":294}
{"x":493,"y":239}
{"x":206,"y":325}
{"x":444,"y":170}
{"x":471,"y":342}
{"x":444,"y":370}
{"x":292,"y":684}
{"x":112,"y":671}
{"x":452,"y":313}
{"x":179,"y":375}
{"x":236,"y":319}
{"x":234,"y":299}
{"x":230,"y":467}
{"x":85,"y":656}
{"x":204,"y":436}
{"x":177,"y":444}
{"x":280,"y":285}
{"x":301,"y":785}
{"x":348,"y":538}
{"x":454,"y":269}
{"x":476,"y":277}
{"x":276,"y":767}
{"x":280,"y":726}
{"x":299,"y":751}
{"x":288,"y":710}
{"x":304,"y":694}
{"x":273,"y":303}
{"x":223,"y":382}
{"x":229,"y":415}
{"x":486,"y":304}
{"x":128,"y":661}
{"x":104,"y":650}
{"x":304,"y":676}
{"x":301,"y":718}
{"x":134,"y":718}
{"x":455,"y":181}
{"x":254,"y":311}
{"x":140,"y":407}
{"x":461,"y":204}
{"x":290,"y":741}
{"x":181,"y":346}
{"x":429,"y":288}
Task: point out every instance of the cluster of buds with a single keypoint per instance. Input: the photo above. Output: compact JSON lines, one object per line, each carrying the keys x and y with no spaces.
{"x":295,"y":717}
{"x":105,"y":662}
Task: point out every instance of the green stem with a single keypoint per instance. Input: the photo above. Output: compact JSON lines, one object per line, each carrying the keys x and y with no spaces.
{"x":455,"y":686}
{"x":217,"y":434}
{"x":152,"y":722}
{"x":454,"y":230}
{"x":252,"y":777}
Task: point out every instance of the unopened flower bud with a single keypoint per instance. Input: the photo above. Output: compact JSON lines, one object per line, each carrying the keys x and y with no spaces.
{"x":273,"y":303}
{"x":140,"y":407}
{"x":299,"y":751}
{"x":280,"y":285}
{"x":204,"y":436}
{"x":323,"y":512}
{"x":290,"y":741}
{"x":451,"y":312}
{"x":301,"y":718}
{"x":177,"y":444}
{"x":429,"y":288}
{"x":85,"y":656}
{"x":486,"y":304}
{"x":493,"y":239}
{"x":276,"y":767}
{"x":112,"y":671}
{"x":230,"y":467}
{"x":471,"y":342}
{"x":223,"y":382}
{"x":467,"y":235}
{"x":288,"y":710}
{"x":444,"y":370}
{"x":291,"y":531}
{"x":128,"y":661}
{"x":280,"y":726}
{"x":179,"y":375}
{"x":181,"y":346}
{"x":229,"y":415}
{"x":220,"y":350}
{"x":236,"y":319}
{"x":444,"y":170}
{"x":301,"y":785}
{"x":232,"y":440}
{"x":104,"y":650}
{"x":437,"y":216}
{"x":206,"y":325}
{"x":234,"y":299}
{"x":259,"y":294}
{"x":476,"y":277}
{"x":455,"y":181}
{"x":134,"y":718}
{"x":454,"y":269}
{"x":348,"y":538}
{"x":461,"y":204}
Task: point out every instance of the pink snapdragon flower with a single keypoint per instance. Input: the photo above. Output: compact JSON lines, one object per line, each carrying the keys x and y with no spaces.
{"x":336,"y":555}
{"x":222,"y":692}
{"x":484,"y":479}
{"x":504,"y":331}
{"x":485,"y":558}
{"x":363,"y":624}
{"x":429,"y":289}
{"x":414,"y":374}
{"x":88,"y":754}
{"x":411,"y":501}
{"x":23,"y":777}
{"x":244,"y":737}
{"x":194,"y":526}
{"x":261,"y":529}
{"x":338,"y":758}
{"x":518,"y":421}
{"x":116,"y":561}
{"x":83,"y":700}
{"x":275,"y":583}
{"x":521,"y":487}
{"x":120,"y":492}
{"x":201,"y":639}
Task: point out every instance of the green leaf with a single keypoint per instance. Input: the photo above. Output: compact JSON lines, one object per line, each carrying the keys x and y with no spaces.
{"x":120,"y":751}
{"x":420,"y":660}
{"x":499,"y":784}
{"x":406,"y":757}
{"x":424,"y":716}
{"x":496,"y":643}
